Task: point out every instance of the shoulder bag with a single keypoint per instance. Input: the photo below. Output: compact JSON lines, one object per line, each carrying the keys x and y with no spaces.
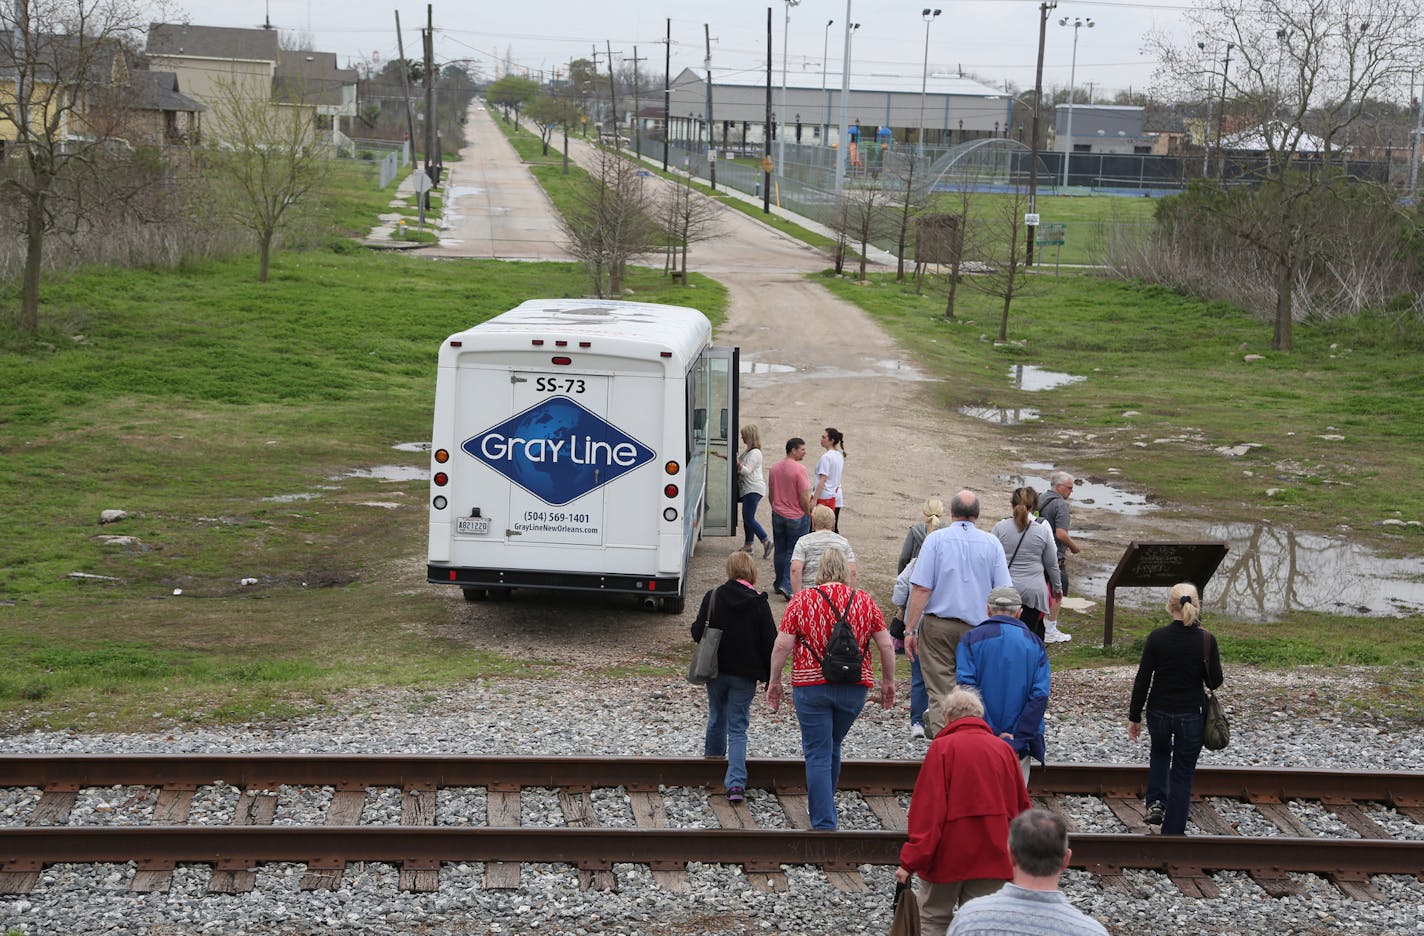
{"x":702,"y":668}
{"x":1216,"y":730}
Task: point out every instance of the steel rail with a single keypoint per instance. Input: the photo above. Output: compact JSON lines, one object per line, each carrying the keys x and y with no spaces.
{"x":785,"y":775}
{"x":599,"y":848}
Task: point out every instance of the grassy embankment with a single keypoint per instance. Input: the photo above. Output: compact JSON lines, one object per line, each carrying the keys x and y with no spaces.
{"x":225,"y":415}
{"x":1338,"y":445}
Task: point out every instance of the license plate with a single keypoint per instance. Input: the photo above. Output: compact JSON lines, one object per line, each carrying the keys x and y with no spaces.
{"x":476,"y":525}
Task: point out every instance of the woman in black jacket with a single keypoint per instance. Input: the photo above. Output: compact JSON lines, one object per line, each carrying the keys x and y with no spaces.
{"x":743,"y":660}
{"x":1177,"y":661}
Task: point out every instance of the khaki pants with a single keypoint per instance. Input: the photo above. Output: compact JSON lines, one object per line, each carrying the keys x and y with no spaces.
{"x":939,"y":639}
{"x":939,"y":901}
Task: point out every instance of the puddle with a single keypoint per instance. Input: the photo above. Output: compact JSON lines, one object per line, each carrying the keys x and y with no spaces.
{"x":389,"y":473}
{"x":412,"y":447}
{"x":888,"y":367}
{"x":1270,"y":571}
{"x":290,"y":498}
{"x":1090,"y":494}
{"x":1001,"y":416}
{"x":1033,"y":378}
{"x":757,"y":367}
{"x":459,"y":191}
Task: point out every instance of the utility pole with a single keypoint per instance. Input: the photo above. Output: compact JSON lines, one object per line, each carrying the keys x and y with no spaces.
{"x":1414,"y":149}
{"x":711,"y":143}
{"x":667,"y":91}
{"x":567,"y":109}
{"x":593,"y":80}
{"x":842,"y":140}
{"x":1043,"y":10}
{"x":637,"y":109}
{"x":766,"y":137}
{"x":432,"y":158}
{"x":613,"y":96}
{"x":405,"y":88}
{"x":1221,"y":113}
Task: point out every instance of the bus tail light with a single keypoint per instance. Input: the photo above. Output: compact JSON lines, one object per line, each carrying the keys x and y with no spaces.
{"x":670,"y":490}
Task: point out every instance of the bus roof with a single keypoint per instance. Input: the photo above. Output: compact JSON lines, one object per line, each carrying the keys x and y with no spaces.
{"x":633,"y":326}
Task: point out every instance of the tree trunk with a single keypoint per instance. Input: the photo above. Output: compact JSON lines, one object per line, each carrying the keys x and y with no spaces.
{"x":1008,"y":299}
{"x":684,"y":261}
{"x":953,"y":288}
{"x":29,"y":322}
{"x":864,"y":250}
{"x":264,"y":254}
{"x":1281,"y":339}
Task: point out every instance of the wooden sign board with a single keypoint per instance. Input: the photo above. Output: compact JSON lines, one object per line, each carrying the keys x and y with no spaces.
{"x":1161,"y":565}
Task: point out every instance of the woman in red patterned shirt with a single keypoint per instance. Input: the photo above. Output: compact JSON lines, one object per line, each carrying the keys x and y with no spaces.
{"x":826,"y":710}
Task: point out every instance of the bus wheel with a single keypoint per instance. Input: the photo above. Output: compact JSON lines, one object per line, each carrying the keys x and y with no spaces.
{"x":673,"y":605}
{"x":474,"y":594}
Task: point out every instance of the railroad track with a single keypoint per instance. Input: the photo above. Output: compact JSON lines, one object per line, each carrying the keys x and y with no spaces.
{"x":163,"y":837}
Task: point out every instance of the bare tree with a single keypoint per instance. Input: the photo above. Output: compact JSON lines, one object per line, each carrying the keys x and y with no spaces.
{"x":688,"y":217}
{"x":56,"y":56}
{"x":905,"y":177}
{"x":862,"y":216}
{"x":611,"y":221}
{"x":998,"y":241}
{"x":1302,"y":73}
{"x":266,"y":156}
{"x":550,"y":112}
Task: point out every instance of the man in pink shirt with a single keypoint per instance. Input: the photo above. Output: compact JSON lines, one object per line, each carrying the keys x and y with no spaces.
{"x":789,"y":489}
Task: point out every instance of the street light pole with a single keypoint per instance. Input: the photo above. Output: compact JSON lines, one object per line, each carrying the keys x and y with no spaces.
{"x":825,"y":50}
{"x":929,"y":16}
{"x":781,"y":137}
{"x":842,"y":141}
{"x":1078,"y":23}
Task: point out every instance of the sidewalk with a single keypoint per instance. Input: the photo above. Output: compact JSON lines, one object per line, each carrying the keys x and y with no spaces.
{"x":382,"y":235}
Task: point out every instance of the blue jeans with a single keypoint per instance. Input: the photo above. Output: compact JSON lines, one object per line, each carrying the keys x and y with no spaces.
{"x":729,"y":711}
{"x":786,"y":533}
{"x":919,"y":695}
{"x":749,"y":520}
{"x":1176,"y":743}
{"x":826,"y":713}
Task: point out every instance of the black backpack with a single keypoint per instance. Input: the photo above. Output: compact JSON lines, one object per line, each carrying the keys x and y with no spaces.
{"x":843,"y":659}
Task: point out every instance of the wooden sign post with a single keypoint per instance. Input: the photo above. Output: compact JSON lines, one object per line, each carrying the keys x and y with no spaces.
{"x":1161,"y":565}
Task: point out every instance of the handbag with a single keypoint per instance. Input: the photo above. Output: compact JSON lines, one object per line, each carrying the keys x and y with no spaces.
{"x":907,"y":911}
{"x":702,"y":668}
{"x":1216,"y":730}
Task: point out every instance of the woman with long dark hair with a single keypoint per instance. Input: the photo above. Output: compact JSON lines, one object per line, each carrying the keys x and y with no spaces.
{"x":829,"y":470}
{"x":1179,"y":662}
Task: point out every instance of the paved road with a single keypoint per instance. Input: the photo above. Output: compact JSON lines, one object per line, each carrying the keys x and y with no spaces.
{"x":493,"y":205}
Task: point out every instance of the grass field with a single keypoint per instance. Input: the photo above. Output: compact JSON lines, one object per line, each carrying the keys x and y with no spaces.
{"x":226,"y":417}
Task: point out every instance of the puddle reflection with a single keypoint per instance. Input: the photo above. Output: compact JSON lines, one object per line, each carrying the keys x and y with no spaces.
{"x":1033,"y":378}
{"x":1002,"y":416}
{"x":1270,"y":571}
{"x":899,"y":370}
{"x":757,"y":367}
{"x":1091,"y":494}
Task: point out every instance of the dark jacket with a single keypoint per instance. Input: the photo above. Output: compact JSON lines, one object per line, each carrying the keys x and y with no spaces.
{"x":1053,"y":508}
{"x":1007,"y":664}
{"x":748,"y":630}
{"x":1170,"y":676}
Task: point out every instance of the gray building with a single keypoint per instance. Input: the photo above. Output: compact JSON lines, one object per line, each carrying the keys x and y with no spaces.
{"x":954,"y":108}
{"x":1103,"y":128}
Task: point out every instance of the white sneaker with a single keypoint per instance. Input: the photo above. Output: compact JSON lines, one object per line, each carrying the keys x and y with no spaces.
{"x":917,"y":732}
{"x":1051,"y":634}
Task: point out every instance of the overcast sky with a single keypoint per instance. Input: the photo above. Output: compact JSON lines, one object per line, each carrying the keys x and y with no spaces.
{"x":996,"y":39}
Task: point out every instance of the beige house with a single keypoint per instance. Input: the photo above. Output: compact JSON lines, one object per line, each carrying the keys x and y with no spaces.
{"x":221,"y":65}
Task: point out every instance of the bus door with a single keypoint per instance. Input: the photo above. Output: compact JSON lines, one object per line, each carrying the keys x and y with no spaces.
{"x":722,"y":442}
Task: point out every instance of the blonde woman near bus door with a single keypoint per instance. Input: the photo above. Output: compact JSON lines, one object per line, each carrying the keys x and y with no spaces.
{"x":1177,"y":661}
{"x":753,"y":488}
{"x":829,"y":469}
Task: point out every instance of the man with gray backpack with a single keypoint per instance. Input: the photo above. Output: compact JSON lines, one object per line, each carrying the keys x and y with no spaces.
{"x":827,"y":632}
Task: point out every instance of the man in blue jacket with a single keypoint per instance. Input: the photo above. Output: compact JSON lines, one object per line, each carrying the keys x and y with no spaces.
{"x":1007,"y":664}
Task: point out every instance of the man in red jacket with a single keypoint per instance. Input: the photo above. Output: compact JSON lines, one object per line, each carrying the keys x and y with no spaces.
{"x":968,"y":791}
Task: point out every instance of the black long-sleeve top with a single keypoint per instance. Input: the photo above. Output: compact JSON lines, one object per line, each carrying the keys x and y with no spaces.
{"x":1171,"y":676}
{"x":748,"y":629}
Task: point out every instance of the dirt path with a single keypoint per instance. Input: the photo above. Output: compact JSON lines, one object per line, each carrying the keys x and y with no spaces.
{"x":814,"y":361}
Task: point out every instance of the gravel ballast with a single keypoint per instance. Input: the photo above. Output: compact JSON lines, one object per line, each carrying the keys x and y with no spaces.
{"x":658,"y":717}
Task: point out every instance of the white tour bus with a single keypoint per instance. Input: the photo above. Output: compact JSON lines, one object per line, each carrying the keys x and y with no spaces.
{"x":581,"y":444}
